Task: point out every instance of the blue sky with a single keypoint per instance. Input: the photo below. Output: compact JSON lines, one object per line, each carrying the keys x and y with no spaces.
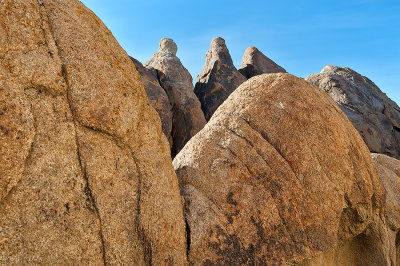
{"x":301,"y":36}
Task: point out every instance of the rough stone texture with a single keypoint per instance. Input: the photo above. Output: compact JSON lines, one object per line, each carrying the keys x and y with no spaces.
{"x":278,"y":175}
{"x":374,"y":115}
{"x":157,"y":96}
{"x":187,"y":117}
{"x":85,"y":171}
{"x":255,"y":63}
{"x":389,"y":170}
{"x":218,"y":79}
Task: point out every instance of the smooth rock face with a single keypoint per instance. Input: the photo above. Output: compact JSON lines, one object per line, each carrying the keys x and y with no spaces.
{"x":278,"y":175}
{"x":187,"y":117}
{"x":85,"y":171}
{"x":256,"y":63}
{"x":373,"y":114}
{"x":157,"y":96}
{"x":389,"y":171}
{"x":218,"y":79}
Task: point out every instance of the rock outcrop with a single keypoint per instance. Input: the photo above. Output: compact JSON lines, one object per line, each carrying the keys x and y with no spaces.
{"x":85,"y":171}
{"x":374,"y":115}
{"x":255,"y":63}
{"x":278,"y":175}
{"x":389,"y":170}
{"x":157,"y":96}
{"x":218,"y":79}
{"x":187,"y":117}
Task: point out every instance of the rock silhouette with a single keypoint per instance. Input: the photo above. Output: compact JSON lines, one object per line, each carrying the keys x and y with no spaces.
{"x":374,"y":115}
{"x":218,"y":79}
{"x":188,"y":119}
{"x":157,"y":96}
{"x":256,"y":63}
{"x":278,"y":175}
{"x":85,"y":171}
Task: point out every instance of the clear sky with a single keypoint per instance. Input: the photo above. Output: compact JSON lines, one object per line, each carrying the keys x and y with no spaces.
{"x":301,"y":36}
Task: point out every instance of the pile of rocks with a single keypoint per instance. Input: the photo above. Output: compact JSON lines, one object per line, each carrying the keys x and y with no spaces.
{"x":281,"y":174}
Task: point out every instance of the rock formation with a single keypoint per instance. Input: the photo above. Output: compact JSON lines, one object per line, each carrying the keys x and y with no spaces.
{"x":374,"y":115}
{"x":218,"y":79}
{"x":389,"y":170}
{"x":187,"y":117}
{"x":85,"y":171}
{"x":278,"y":175}
{"x":157,"y":96}
{"x":256,"y":63}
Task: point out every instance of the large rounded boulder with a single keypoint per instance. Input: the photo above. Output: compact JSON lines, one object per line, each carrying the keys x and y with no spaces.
{"x":85,"y":171}
{"x":277,"y":176}
{"x":373,"y":114}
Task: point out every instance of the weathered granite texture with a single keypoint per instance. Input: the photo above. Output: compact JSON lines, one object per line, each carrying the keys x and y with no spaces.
{"x":85,"y":171}
{"x":374,"y":115}
{"x":278,"y":175}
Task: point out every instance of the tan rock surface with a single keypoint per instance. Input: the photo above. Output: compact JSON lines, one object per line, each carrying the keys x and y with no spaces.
{"x":256,"y":63}
{"x":278,"y":175}
{"x":373,"y":114}
{"x":157,"y":96}
{"x":85,"y":172}
{"x":218,"y":78}
{"x":187,"y":117}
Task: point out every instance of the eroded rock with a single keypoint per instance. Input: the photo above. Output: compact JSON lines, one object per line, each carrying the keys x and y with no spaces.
{"x":85,"y":171}
{"x":278,"y":175}
{"x":256,"y":63}
{"x":374,"y":115}
{"x":157,"y":96}
{"x":218,"y":78}
{"x":187,"y":117}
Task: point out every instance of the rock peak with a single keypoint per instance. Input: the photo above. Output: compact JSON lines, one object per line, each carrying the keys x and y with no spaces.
{"x":218,"y":78}
{"x":254,"y":63}
{"x":167,"y":46}
{"x":251,"y":49}
{"x":217,"y":43}
{"x":219,"y":49}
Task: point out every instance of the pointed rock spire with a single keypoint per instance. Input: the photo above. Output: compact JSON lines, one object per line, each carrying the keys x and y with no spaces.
{"x":176,"y":80}
{"x":218,"y":79}
{"x":256,"y":63}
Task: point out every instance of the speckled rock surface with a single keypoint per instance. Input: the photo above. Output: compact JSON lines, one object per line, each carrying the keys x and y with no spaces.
{"x":373,"y":114}
{"x":157,"y":96}
{"x":218,"y":78}
{"x":187,"y":117}
{"x":85,"y":171}
{"x":389,"y":171}
{"x":256,"y":63}
{"x":278,"y":175}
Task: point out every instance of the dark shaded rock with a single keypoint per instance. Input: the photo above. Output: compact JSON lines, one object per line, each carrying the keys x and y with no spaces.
{"x":218,"y":79}
{"x":157,"y":96}
{"x":278,"y":175}
{"x":187,"y":117}
{"x":374,"y":115}
{"x":85,"y":172}
{"x":256,"y":63}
